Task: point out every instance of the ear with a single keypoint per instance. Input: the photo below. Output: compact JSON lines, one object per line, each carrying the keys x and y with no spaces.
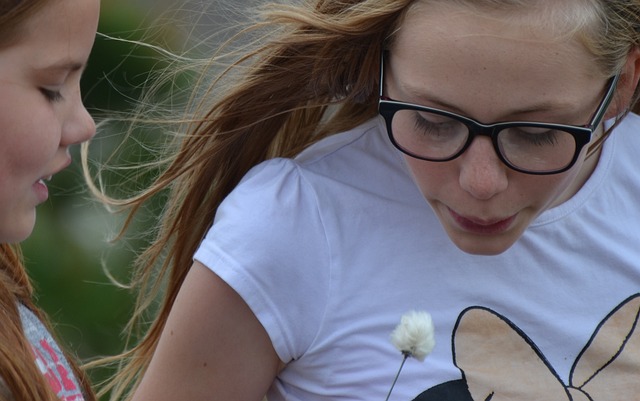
{"x":627,"y":84}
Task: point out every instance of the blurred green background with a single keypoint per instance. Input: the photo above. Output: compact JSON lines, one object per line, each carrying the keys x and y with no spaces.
{"x":69,"y":247}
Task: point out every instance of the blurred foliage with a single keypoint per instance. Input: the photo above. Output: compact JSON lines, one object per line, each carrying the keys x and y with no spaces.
{"x":69,"y":248}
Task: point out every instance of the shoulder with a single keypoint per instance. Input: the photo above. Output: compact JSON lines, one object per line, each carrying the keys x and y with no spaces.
{"x":628,"y":128}
{"x":346,"y":174}
{"x":624,"y":143}
{"x":357,"y":159}
{"x":365,"y":136}
{"x":272,"y":206}
{"x":268,"y":190}
{"x":49,"y":356}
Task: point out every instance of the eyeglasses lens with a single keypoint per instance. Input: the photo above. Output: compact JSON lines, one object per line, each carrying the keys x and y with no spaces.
{"x":439,"y":137}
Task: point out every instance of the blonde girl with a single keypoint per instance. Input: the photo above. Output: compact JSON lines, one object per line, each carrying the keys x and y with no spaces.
{"x":473,"y":159}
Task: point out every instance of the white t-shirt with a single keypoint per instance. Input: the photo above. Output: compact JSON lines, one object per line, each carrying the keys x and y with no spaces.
{"x":329,"y":251}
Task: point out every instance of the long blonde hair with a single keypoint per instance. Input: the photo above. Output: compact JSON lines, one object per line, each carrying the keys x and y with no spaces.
{"x":20,"y":378}
{"x":313,"y":73}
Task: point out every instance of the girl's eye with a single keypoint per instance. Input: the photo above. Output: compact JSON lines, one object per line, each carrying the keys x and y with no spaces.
{"x":51,"y":95}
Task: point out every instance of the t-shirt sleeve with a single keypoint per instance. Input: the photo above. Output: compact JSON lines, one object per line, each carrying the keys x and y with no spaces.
{"x":268,"y":243}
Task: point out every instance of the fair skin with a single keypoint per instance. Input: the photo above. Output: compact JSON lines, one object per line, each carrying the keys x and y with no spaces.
{"x":214,"y":348}
{"x":41,"y":110}
{"x":492,"y":70}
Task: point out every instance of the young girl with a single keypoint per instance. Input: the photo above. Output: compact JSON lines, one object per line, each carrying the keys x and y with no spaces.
{"x":44,"y":46}
{"x":474,"y":159}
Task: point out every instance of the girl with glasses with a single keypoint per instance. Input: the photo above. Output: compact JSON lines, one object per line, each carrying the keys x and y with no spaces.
{"x":44,"y":47}
{"x":475,"y":159}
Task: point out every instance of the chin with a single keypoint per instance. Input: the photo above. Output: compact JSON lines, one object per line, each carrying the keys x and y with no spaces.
{"x":483,"y":245}
{"x":15,"y":238}
{"x":17,"y":232}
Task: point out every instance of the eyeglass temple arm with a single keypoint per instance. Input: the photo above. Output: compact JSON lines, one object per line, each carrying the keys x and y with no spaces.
{"x":381,"y":71}
{"x":606,"y":101}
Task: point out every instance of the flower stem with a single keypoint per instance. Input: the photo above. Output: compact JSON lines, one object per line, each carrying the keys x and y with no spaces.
{"x":404,"y":359}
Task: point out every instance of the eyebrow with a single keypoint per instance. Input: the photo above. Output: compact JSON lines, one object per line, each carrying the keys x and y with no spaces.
{"x":61,"y":65}
{"x":542,"y":107}
{"x":66,"y":66}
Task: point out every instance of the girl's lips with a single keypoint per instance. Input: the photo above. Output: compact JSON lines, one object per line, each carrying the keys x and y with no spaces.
{"x":478,"y":226}
{"x":41,"y":190}
{"x":40,"y":186}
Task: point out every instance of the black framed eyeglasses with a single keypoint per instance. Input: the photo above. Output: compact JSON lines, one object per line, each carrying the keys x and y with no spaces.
{"x":437,"y":135}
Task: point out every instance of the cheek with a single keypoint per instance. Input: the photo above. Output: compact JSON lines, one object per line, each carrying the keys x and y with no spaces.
{"x":440,"y":182}
{"x":28,"y":147}
{"x":560,"y":188}
{"x":543,"y":192}
{"x":30,"y":137}
{"x":26,"y":151}
{"x":17,"y":211}
{"x":432,"y":178}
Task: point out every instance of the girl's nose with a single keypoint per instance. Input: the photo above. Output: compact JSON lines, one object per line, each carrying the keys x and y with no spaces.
{"x":79,"y":127}
{"x":482,"y":173}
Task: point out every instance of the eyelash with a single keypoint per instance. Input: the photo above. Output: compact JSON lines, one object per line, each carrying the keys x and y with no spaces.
{"x":51,"y":95}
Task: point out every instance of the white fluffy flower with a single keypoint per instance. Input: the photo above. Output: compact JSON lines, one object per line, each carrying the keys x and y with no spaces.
{"x":414,"y":336}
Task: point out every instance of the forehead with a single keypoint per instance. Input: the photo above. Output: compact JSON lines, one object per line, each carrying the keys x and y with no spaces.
{"x":541,"y":24}
{"x":468,"y":57}
{"x":61,"y":31}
